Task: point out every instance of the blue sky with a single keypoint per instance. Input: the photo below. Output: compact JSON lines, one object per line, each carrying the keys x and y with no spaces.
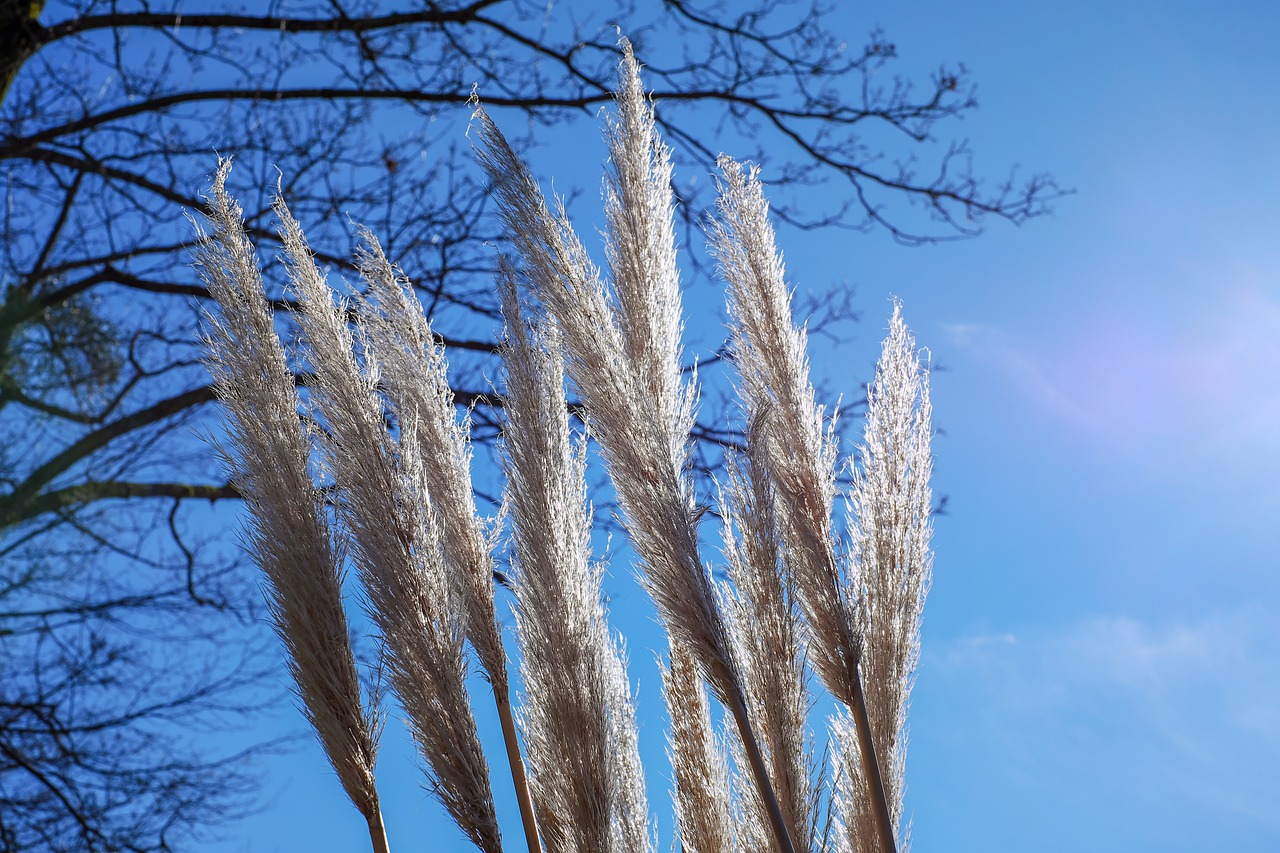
{"x":1101,"y":661}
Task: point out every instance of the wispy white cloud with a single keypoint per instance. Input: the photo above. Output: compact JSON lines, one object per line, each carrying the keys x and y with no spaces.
{"x":1012,"y":358}
{"x":1195,"y":384}
{"x":1175,"y":723}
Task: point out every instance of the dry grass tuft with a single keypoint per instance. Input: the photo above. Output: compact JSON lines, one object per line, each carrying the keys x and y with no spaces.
{"x":622,"y":353}
{"x":890,"y":560}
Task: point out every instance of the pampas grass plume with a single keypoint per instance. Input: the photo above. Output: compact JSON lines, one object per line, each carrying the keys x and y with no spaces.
{"x":288,"y":529}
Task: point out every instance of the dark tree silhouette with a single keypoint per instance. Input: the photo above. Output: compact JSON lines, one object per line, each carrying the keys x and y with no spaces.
{"x":118,"y":595}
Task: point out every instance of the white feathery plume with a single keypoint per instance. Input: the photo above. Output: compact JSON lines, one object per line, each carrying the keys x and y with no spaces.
{"x":799,"y":454}
{"x":641,"y":251}
{"x":645,"y":455}
{"x":416,"y":382}
{"x":397,"y":532}
{"x":288,"y":530}
{"x":414,"y":377}
{"x":890,"y":560}
{"x":577,"y":716}
{"x":703,"y":803}
{"x":786,"y":421}
{"x":767,"y":630}
{"x":634,"y":831}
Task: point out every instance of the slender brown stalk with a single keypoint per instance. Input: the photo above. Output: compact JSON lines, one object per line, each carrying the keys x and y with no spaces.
{"x":760,"y":772}
{"x":528,"y":815}
{"x":378,"y":834}
{"x":878,"y":800}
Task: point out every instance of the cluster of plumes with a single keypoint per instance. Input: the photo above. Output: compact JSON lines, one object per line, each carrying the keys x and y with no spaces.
{"x":400,"y":460}
{"x":622,"y":353}
{"x":862,"y":618}
{"x":577,"y":714}
{"x":289,"y":534}
{"x":398,"y":528}
{"x":386,"y":505}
